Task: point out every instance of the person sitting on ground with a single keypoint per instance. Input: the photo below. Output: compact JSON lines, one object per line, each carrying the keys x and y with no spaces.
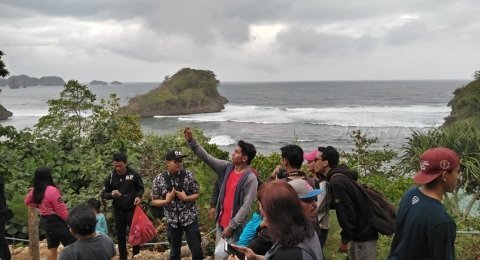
{"x":90,"y":244}
{"x":101,"y":226}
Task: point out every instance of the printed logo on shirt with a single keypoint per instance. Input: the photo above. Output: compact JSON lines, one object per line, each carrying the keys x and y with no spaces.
{"x":415,"y":199}
{"x":129,"y":177}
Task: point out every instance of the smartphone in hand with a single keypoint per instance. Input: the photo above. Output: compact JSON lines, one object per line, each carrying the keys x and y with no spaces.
{"x":232,"y":251}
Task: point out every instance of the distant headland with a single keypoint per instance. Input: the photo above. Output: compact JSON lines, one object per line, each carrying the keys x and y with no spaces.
{"x":18,"y":81}
{"x":189,"y":91}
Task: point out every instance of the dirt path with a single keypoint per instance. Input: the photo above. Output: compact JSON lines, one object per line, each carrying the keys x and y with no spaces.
{"x":22,"y":253}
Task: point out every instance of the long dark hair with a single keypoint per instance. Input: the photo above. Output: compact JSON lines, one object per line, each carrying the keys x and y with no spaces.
{"x":41,"y":179}
{"x":288,"y":222}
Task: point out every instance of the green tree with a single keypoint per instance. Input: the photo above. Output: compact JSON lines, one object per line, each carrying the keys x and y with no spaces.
{"x":3,"y":70}
{"x":69,"y":116}
{"x":476,"y":75}
{"x":462,"y":137}
{"x":365,"y":157}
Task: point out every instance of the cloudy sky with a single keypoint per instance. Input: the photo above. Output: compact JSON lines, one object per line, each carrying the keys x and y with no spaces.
{"x":242,"y":40}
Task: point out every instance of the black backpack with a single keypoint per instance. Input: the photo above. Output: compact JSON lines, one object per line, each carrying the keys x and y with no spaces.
{"x":382,"y":212}
{"x":157,"y":212}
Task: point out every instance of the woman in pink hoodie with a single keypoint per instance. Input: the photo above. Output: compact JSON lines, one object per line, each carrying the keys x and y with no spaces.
{"x":53,"y":212}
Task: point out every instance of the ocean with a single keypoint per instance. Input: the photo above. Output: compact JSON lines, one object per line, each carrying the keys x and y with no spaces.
{"x":272,"y":114}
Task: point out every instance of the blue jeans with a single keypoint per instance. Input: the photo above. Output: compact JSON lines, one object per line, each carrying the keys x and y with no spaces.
{"x":194,"y":240}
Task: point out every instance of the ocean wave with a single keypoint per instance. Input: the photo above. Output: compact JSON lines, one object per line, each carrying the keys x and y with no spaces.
{"x":416,"y":116}
{"x":222,"y":140}
{"x":28,"y":112}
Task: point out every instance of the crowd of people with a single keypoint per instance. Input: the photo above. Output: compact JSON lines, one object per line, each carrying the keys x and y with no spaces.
{"x":292,"y":221}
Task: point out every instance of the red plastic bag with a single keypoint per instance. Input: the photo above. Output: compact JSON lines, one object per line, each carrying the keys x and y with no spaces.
{"x":141,"y":229}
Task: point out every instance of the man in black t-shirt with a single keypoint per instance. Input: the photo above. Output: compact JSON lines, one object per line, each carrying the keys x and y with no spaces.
{"x":424,"y":229}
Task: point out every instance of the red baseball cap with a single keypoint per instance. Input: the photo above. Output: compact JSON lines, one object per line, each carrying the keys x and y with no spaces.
{"x":434,"y":162}
{"x":310,"y":156}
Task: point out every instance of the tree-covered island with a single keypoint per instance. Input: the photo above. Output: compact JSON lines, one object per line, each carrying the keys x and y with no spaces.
{"x":189,"y":91}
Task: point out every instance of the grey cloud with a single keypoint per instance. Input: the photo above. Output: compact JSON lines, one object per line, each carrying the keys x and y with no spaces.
{"x":410,"y":32}
{"x":310,"y":42}
{"x":214,"y":33}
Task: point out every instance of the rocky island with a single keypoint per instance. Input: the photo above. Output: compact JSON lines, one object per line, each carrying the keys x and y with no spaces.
{"x":189,"y":91}
{"x":98,"y":82}
{"x":115,"y":82}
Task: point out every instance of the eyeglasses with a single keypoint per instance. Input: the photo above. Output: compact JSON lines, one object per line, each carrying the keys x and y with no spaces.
{"x":317,"y":159}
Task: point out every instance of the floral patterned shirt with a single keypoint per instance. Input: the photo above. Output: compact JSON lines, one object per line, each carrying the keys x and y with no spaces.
{"x":177,"y":212}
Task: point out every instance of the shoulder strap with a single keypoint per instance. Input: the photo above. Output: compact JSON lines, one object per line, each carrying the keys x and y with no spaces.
{"x":307,"y":249}
{"x":313,"y":182}
{"x":168,"y":181}
{"x":335,"y":174}
{"x":181,"y":179}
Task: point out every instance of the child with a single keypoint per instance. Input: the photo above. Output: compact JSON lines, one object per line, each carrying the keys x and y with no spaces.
{"x":101,"y":227}
{"x":90,"y":244}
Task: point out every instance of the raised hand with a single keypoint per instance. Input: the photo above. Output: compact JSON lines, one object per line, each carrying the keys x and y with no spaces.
{"x":187,"y":133}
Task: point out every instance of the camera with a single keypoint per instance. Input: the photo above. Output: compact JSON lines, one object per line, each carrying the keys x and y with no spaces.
{"x":282,"y":173}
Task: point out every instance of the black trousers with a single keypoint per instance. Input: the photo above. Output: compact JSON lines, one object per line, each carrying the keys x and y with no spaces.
{"x":123,"y":218}
{"x":194,"y":240}
{"x":4,"y":250}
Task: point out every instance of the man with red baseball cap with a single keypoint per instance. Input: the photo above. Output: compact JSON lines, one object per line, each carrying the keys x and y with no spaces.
{"x":424,"y":229}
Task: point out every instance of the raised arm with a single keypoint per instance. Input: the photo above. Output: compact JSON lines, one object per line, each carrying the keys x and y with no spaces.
{"x":218,"y":165}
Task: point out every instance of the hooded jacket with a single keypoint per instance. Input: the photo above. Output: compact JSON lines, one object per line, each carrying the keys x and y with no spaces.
{"x":245,"y":193}
{"x":130,"y":185}
{"x":349,"y":203}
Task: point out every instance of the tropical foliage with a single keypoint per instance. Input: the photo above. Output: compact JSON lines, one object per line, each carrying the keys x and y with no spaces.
{"x":79,"y":135}
{"x":462,"y":137}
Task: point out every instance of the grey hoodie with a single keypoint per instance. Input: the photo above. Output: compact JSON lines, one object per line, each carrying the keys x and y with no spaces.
{"x":245,"y":193}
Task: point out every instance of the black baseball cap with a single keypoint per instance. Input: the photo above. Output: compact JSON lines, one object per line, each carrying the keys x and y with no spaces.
{"x":173,"y":155}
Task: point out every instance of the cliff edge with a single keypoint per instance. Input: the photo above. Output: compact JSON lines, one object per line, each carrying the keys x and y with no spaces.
{"x":4,"y":113}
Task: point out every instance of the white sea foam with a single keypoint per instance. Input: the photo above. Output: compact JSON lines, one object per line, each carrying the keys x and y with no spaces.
{"x":28,"y":112}
{"x":222,"y":140}
{"x":368,"y":116}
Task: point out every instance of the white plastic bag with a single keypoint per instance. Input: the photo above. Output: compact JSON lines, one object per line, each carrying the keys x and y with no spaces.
{"x":220,"y":252}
